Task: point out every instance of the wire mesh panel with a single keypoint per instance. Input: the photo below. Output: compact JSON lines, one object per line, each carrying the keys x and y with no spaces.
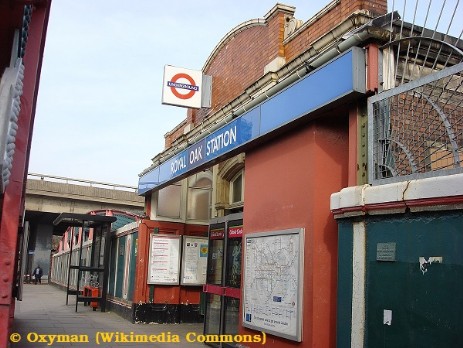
{"x":417,"y":129}
{"x":415,"y":122}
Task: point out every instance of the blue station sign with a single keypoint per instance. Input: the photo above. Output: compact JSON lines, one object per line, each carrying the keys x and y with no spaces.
{"x":343,"y":76}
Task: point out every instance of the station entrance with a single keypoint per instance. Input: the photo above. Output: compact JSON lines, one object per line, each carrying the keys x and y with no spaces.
{"x":223,"y":281}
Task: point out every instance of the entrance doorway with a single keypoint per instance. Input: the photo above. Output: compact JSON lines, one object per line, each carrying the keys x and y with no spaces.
{"x":223,"y":282}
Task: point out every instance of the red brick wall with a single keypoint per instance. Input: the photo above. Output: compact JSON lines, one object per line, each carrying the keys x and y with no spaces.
{"x":175,"y":134}
{"x":331,"y":19}
{"x":241,"y":61}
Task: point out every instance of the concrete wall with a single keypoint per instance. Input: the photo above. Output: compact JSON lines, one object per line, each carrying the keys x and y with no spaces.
{"x":40,"y":248}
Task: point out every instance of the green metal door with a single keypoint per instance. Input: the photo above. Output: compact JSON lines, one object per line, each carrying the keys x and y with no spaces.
{"x":414,"y":289}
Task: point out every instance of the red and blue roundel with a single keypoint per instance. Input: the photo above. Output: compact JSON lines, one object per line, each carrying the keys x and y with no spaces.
{"x":182,"y":87}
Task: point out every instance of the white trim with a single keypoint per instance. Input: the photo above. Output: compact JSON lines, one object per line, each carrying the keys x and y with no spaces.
{"x":435,"y":187}
{"x":358,"y":286}
{"x":130,"y":226}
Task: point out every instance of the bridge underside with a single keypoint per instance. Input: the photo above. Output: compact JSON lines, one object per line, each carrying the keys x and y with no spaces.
{"x":44,"y":218}
{"x":46,"y":200}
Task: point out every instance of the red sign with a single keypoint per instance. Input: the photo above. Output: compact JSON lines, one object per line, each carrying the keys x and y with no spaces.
{"x":235,"y":232}
{"x":216,"y":234}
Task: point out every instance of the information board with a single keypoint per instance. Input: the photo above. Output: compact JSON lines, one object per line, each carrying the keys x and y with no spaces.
{"x":273,"y":280}
{"x":164,"y":260}
{"x":194,"y":260}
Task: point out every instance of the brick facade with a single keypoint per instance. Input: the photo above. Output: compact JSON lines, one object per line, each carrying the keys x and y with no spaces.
{"x":328,"y":21}
{"x":240,"y":59}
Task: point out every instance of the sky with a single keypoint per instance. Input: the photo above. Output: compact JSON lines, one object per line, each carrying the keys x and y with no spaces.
{"x":99,"y":114}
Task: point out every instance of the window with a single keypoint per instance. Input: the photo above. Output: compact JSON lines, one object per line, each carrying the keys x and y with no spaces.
{"x":169,"y":201}
{"x":237,"y":188}
{"x":199,"y":196}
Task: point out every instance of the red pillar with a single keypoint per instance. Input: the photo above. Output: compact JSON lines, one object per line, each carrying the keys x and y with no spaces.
{"x":13,"y":198}
{"x":140,"y":289}
{"x":288,"y":185}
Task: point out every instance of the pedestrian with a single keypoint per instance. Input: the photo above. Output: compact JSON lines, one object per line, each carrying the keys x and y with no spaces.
{"x":38,"y":275}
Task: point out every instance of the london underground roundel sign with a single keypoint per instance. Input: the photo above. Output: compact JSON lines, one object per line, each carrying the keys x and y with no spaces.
{"x":177,"y":87}
{"x":182,"y":87}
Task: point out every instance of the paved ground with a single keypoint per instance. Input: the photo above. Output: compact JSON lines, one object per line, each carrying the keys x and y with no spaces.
{"x":43,"y":312}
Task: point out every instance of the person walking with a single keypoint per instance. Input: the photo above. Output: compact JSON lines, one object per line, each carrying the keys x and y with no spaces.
{"x":38,"y":275}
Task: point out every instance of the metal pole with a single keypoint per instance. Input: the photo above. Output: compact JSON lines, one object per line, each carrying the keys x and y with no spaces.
{"x":69,"y":265}
{"x":80,"y":261}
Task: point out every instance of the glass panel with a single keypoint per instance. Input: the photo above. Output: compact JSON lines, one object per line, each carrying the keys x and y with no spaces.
{"x":76,"y":236}
{"x":231,"y":319}
{"x":213,"y":307}
{"x":237,"y":189}
{"x":199,"y":196}
{"x":214,"y":264}
{"x":96,"y":245}
{"x":86,"y":234}
{"x":198,"y":204}
{"x":233,"y":277}
{"x":200,"y":181}
{"x":169,"y":201}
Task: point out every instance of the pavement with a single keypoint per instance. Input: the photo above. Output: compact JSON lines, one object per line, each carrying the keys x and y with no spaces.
{"x":43,"y":319}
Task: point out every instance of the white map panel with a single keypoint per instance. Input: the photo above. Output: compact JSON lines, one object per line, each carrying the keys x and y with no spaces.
{"x":273,"y":282}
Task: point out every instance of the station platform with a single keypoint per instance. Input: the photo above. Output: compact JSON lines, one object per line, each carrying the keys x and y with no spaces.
{"x":43,"y":319}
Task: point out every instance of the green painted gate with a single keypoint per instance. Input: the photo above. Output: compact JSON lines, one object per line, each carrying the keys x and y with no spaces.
{"x":415,"y":276}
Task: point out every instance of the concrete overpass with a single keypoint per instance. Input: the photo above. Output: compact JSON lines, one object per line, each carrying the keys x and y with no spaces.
{"x":48,"y":196}
{"x":53,"y":194}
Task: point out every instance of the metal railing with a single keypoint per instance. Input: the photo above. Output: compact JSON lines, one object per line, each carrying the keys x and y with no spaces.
{"x":416,"y":120}
{"x":82,"y":182}
{"x":416,"y":129}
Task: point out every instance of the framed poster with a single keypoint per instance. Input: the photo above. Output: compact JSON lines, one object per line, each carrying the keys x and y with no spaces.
{"x":164,"y":259}
{"x":273,"y":282}
{"x":194,"y":260}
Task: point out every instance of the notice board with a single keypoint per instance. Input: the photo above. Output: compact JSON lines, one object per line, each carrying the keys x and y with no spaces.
{"x":164,"y":259}
{"x":194,"y":260}
{"x":273,"y":280}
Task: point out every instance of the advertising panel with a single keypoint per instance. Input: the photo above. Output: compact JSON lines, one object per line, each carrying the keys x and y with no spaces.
{"x":194,"y":260}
